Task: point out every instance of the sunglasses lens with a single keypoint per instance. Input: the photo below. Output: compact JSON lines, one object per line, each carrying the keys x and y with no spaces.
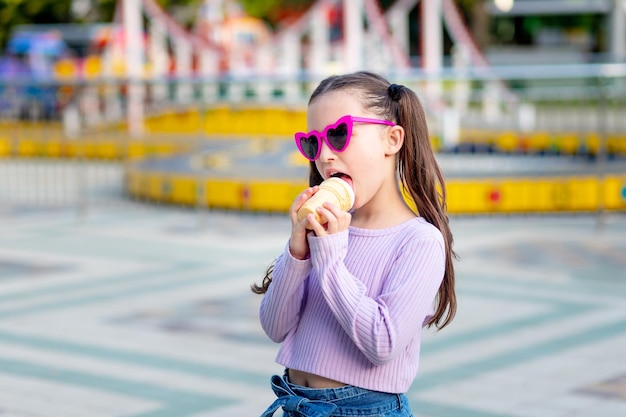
{"x":338,"y":137}
{"x":309,"y":146}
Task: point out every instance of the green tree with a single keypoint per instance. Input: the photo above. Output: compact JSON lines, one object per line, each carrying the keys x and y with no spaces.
{"x":275,"y":11}
{"x":19,"y":12}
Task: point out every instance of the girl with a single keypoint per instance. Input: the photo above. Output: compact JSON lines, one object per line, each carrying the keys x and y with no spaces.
{"x":348,"y":300}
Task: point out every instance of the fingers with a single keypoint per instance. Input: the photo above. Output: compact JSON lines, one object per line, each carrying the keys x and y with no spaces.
{"x":337,"y":220}
{"x":300,"y":199}
{"x":297,"y":204}
{"x":298,"y":244}
{"x":312,"y":224}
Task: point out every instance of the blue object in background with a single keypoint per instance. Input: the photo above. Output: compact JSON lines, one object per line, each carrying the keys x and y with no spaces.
{"x":26,"y":71}
{"x":46,"y":43}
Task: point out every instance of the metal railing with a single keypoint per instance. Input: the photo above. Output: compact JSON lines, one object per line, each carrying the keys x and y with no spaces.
{"x":67,"y":143}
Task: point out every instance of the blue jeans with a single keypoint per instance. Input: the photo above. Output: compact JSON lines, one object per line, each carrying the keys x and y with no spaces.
{"x":298,"y":401}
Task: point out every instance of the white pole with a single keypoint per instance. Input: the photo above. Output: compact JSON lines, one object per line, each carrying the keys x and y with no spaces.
{"x":618,"y":31}
{"x":90,"y":105}
{"x":210,"y":71}
{"x":183,"y":71}
{"x":399,"y":24}
{"x":158,"y":58}
{"x":432,"y":44}
{"x":112,"y":103}
{"x":236,"y":71}
{"x":398,"y":19}
{"x":461,"y":63}
{"x":432,"y":36}
{"x":353,"y":35}
{"x":291,"y":55}
{"x":264,"y":88}
{"x":134,"y":57}
{"x":212,"y":16}
{"x":320,"y":51}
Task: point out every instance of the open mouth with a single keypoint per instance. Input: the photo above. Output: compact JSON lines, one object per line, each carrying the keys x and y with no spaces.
{"x":342,"y":176}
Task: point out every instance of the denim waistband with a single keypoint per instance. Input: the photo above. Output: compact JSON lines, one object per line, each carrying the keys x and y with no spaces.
{"x":329,"y":402}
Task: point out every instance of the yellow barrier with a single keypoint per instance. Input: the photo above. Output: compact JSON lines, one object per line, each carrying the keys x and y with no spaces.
{"x":96,"y":148}
{"x":614,"y":191}
{"x":247,"y":120}
{"x":476,"y":196}
{"x":507,"y":142}
{"x":224,"y":120}
{"x":271,"y":195}
{"x":5,"y":146}
{"x":184,"y":190}
{"x":540,"y":142}
{"x":224,"y":193}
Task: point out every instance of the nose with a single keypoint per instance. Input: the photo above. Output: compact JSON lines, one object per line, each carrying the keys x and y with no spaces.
{"x":326,"y":153}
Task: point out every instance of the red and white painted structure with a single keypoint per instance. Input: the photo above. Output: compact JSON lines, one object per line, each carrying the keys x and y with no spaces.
{"x":370,"y":39}
{"x":228,"y":46}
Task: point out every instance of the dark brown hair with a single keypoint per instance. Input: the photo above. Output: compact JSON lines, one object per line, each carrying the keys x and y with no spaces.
{"x":419,"y":173}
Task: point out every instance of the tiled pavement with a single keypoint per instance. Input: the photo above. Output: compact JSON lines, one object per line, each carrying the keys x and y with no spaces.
{"x":146,"y":312}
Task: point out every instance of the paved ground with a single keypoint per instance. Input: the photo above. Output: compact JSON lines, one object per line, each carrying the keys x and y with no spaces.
{"x":145,"y":312}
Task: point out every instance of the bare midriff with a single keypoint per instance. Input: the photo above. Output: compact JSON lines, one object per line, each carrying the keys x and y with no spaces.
{"x":306,"y":379}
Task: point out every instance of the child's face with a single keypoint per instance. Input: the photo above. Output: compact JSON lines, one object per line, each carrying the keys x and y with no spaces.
{"x":365,"y":163}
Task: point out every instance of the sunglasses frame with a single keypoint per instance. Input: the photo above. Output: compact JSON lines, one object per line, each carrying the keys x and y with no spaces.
{"x":323,"y":136}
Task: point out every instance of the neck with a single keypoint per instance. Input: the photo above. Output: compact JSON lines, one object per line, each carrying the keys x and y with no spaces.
{"x":382,"y":212}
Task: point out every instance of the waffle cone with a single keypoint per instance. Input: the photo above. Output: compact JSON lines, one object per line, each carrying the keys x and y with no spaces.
{"x":333,"y":190}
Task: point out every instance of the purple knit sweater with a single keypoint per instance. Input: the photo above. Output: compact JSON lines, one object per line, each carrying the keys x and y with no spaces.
{"x":355,"y":310}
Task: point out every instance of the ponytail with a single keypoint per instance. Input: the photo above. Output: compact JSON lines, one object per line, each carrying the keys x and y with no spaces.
{"x":422,"y":180}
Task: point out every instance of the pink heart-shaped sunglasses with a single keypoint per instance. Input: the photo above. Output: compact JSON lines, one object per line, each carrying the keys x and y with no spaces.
{"x":337,"y":136}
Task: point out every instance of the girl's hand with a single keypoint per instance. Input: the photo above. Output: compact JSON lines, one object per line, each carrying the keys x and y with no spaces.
{"x":338,"y":220}
{"x":298,"y":245}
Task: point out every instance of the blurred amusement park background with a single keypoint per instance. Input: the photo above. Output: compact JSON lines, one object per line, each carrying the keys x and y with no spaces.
{"x":193,"y":102}
{"x":147,"y":163}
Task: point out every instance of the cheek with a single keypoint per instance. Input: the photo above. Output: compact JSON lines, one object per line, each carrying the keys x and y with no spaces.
{"x":367,"y":158}
{"x":367,"y":172}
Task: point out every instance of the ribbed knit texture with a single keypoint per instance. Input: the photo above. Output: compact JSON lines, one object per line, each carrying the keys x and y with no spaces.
{"x":355,"y":310}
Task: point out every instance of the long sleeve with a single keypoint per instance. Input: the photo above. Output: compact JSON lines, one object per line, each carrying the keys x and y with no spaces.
{"x":381,"y":325}
{"x":354,"y":312}
{"x":282,"y":303}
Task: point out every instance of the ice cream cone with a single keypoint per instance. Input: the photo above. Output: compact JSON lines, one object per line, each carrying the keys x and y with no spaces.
{"x":334,"y":190}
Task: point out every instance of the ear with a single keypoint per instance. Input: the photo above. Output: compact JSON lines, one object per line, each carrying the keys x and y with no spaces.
{"x":394,"y":140}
